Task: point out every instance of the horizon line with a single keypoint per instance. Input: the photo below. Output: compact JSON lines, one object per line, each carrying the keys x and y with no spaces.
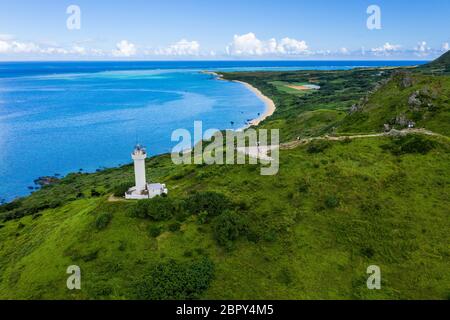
{"x":223,"y":60}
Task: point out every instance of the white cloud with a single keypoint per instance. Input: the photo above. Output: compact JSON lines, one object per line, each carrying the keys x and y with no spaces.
{"x":97,"y":52}
{"x":124,"y":49}
{"x":249,"y":45}
{"x":5,"y":46}
{"x":344,"y":51}
{"x":54,"y":50}
{"x":13,"y":46}
{"x":9,"y":46}
{"x":246,"y":44}
{"x":25,"y":47}
{"x":180,"y":48}
{"x":386,"y":49}
{"x":422,"y":49}
{"x":445,"y":47}
{"x":79,"y":50}
{"x":292,"y":46}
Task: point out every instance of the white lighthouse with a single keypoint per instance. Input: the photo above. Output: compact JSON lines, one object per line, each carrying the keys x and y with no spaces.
{"x":142,"y":189}
{"x":139,"y":155}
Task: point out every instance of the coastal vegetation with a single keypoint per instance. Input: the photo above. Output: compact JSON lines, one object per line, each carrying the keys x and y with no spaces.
{"x":226,"y":232}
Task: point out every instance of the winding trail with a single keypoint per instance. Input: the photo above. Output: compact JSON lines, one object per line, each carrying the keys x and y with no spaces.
{"x":262,"y":152}
{"x":296,"y":143}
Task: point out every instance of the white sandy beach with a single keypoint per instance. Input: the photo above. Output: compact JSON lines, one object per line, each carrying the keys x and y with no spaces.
{"x":270,"y":105}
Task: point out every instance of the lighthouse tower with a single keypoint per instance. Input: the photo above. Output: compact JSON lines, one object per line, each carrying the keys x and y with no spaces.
{"x":142,"y":189}
{"x":139,"y":155}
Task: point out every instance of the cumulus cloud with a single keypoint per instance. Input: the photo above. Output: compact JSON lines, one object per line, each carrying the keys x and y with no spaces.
{"x":4,"y":46}
{"x":79,"y":50}
{"x":245,"y":44}
{"x":124,"y":49}
{"x":11,"y":46}
{"x":180,"y":48}
{"x":249,"y":45}
{"x":8,"y":45}
{"x":422,"y":49}
{"x":344,"y":51}
{"x":386,"y":49}
{"x":445,"y":47}
{"x":292,"y":46}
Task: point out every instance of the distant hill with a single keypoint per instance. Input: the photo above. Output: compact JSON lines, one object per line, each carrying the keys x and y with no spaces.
{"x":442,"y":64}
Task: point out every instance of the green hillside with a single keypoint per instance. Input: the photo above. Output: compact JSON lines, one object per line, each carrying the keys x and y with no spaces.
{"x":226,"y":232}
{"x":440,"y":65}
{"x":405,"y":98}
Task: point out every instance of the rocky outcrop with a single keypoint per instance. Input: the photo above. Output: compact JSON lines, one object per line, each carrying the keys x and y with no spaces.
{"x":421,"y":100}
{"x":414,"y":102}
{"x":354,"y":108}
{"x":46,"y":181}
{"x":402,"y":121}
{"x":396,"y":133}
{"x":405,"y":79}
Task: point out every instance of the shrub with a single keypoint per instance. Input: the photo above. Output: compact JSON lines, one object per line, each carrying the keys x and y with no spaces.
{"x":174,"y":227}
{"x":212,"y":202}
{"x":318,"y":146}
{"x":188,"y":254}
{"x":410,"y":144}
{"x":202,"y":217}
{"x":175,"y":280}
{"x":10,"y":206}
{"x":95,"y":193}
{"x":158,"y":209}
{"x":99,"y":290}
{"x":303,"y":185}
{"x":227,"y":228}
{"x":155,"y":230}
{"x":161,"y":209}
{"x":80,"y":195}
{"x":119,"y":190}
{"x":331,"y":202}
{"x":140,"y":209}
{"x":103,"y":221}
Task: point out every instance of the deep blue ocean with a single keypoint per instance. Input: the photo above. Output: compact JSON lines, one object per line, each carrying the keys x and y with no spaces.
{"x":60,"y":117}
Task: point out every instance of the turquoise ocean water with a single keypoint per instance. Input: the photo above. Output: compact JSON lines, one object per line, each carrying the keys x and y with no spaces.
{"x":60,"y":117}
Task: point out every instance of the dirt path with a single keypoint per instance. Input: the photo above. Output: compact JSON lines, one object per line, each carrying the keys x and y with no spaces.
{"x":113,"y":198}
{"x":296,"y":143}
{"x":262,"y":152}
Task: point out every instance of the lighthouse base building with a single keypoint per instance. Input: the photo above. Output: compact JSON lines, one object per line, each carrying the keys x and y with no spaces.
{"x":142,"y":189}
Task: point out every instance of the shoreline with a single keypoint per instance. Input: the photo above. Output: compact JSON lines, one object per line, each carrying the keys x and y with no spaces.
{"x":270,"y":106}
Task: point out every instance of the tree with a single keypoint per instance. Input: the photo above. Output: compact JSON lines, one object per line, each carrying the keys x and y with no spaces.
{"x":175,"y":280}
{"x":211,"y":202}
{"x":227,"y":228}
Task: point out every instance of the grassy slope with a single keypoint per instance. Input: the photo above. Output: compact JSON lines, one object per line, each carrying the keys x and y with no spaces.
{"x":438,"y":66}
{"x":384,"y":217}
{"x":321,"y":221}
{"x":392,"y":100}
{"x":339,"y":91}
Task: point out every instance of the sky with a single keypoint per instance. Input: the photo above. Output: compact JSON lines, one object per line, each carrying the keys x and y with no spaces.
{"x":223,"y":30}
